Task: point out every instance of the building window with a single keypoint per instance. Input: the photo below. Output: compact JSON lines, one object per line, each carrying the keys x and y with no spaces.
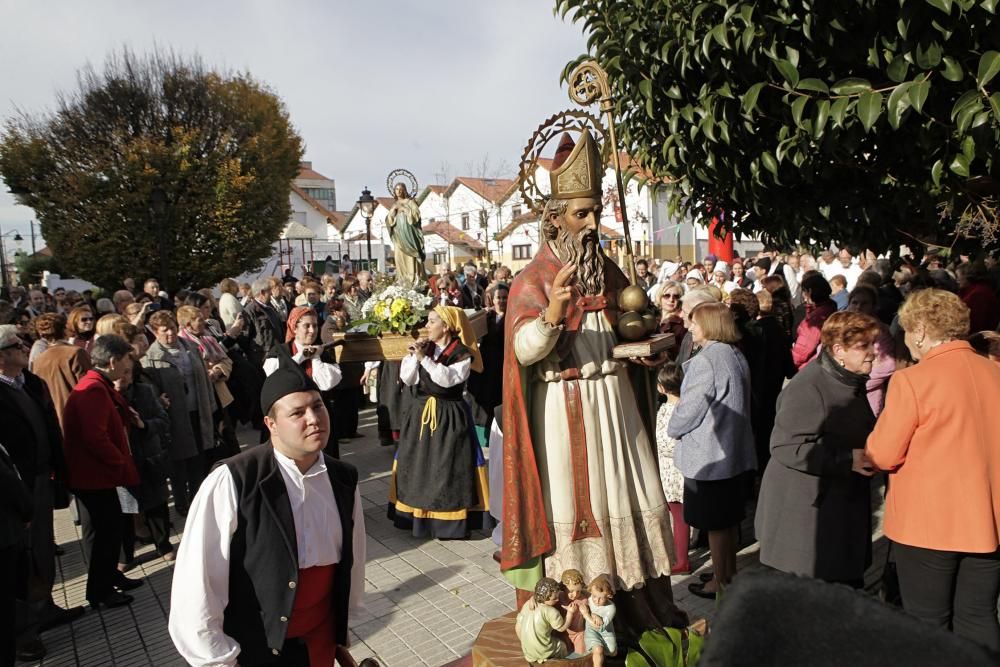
{"x":482,"y":219}
{"x":465,"y":222}
{"x":515,"y":212}
{"x":323,"y":195}
{"x":440,"y":258}
{"x":522,"y":252}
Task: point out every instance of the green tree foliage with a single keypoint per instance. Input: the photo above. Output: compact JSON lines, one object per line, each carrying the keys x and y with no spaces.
{"x":31,"y":267}
{"x":220,"y":147}
{"x":867,"y":122}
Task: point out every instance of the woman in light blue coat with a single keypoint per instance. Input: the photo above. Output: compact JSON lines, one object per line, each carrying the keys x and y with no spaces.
{"x":715,"y":449}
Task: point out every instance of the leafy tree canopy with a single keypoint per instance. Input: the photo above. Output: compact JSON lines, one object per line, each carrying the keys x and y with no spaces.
{"x":865,"y":122}
{"x":218,"y":149}
{"x":31,"y":267}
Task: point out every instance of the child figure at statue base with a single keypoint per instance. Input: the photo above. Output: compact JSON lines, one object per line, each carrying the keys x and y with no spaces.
{"x":539,"y":620}
{"x":599,"y":635}
{"x":575,"y":595}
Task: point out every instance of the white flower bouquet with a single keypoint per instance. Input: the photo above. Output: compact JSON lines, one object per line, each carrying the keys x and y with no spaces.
{"x":394,"y":309}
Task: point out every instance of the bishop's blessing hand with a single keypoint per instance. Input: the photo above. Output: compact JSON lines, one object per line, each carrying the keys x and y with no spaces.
{"x":560,"y":295}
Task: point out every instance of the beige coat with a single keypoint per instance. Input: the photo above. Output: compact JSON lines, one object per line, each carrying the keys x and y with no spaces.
{"x":61,"y":366}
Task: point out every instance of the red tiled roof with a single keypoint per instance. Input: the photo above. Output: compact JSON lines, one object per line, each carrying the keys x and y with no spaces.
{"x":306,"y":172}
{"x":436,"y":189}
{"x":335,"y":218}
{"x":494,"y":190}
{"x":452,"y":235}
{"x":609,"y":233}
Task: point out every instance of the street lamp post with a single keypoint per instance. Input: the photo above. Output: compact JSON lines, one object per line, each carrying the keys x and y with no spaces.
{"x":367,"y":205}
{"x":4,"y":273}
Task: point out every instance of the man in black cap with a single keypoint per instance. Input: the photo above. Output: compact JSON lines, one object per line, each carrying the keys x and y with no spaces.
{"x":273,"y":555}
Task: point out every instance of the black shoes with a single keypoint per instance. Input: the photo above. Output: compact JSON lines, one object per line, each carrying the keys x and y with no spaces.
{"x":30,"y":650}
{"x":123,"y":583}
{"x":112,"y":600}
{"x":58,"y":616}
{"x":699,"y":590}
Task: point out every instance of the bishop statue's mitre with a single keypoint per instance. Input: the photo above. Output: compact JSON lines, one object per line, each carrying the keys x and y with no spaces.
{"x":576,"y":169}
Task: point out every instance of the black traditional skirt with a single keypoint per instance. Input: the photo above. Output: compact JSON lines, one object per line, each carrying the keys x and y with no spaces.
{"x":439,"y":486}
{"x":393,"y":397}
{"x":716,"y":504}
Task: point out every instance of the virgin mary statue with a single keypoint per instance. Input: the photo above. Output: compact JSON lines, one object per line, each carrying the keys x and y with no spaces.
{"x":407,"y":238}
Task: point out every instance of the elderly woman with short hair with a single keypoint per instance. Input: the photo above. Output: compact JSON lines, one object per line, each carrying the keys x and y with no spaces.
{"x":814,"y":510}
{"x":175,"y":366}
{"x":229,"y":303}
{"x":61,"y":365}
{"x":937,"y":437}
{"x":687,"y":348}
{"x":107,"y":323}
{"x":98,"y":460}
{"x":715,"y":448}
{"x":192,"y":328}
{"x":50,"y":328}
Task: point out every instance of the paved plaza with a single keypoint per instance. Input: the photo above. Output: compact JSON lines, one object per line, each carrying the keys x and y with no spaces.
{"x":425,"y":600}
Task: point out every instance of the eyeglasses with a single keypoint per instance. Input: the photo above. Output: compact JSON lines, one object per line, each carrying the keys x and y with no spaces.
{"x":671,"y":296}
{"x":86,"y":319}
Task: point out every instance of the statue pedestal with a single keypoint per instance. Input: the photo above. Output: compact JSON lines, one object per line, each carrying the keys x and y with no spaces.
{"x":497,"y":646}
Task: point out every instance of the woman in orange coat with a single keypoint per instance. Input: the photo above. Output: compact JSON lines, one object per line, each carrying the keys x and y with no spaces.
{"x":938,"y":438}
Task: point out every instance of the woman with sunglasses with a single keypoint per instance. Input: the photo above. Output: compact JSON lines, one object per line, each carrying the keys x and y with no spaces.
{"x":671,"y":315}
{"x":80,"y":325}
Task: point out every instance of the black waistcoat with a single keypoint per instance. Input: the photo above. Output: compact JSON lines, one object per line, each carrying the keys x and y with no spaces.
{"x":454,"y":353}
{"x":263,"y":564}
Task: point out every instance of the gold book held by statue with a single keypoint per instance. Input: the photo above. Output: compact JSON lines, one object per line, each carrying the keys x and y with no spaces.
{"x":649,"y":347}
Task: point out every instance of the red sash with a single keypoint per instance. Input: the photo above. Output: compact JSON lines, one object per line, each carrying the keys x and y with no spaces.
{"x":312,"y":615}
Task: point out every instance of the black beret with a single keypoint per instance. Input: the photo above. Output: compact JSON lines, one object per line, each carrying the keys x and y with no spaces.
{"x":289,"y":378}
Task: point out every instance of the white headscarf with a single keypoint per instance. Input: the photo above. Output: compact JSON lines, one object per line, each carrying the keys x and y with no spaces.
{"x":667,"y":270}
{"x":694,"y":274}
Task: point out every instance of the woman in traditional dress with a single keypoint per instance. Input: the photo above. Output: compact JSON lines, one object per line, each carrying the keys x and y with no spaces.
{"x":439,"y":483}
{"x":318,"y":362}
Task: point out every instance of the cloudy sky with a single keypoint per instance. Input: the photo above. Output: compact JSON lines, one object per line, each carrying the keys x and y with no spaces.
{"x":371,"y":85}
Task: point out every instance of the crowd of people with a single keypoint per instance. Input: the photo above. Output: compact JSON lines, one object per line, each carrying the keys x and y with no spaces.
{"x":793,"y":378}
{"x":804,"y":383}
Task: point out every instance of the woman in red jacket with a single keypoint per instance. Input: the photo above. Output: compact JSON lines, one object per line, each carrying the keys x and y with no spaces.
{"x":816,"y":294}
{"x":98,"y":460}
